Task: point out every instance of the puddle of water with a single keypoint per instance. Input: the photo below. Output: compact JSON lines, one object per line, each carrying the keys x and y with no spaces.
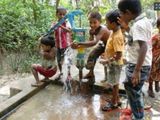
{"x":54,"y":104}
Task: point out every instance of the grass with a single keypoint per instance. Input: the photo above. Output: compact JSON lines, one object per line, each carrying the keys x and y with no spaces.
{"x":18,"y":62}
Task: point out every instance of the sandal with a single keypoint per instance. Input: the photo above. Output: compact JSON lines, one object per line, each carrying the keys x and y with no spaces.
{"x":109,"y":106}
{"x":125,"y":114}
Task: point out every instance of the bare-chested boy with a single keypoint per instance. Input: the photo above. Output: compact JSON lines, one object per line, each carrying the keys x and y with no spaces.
{"x":98,"y":34}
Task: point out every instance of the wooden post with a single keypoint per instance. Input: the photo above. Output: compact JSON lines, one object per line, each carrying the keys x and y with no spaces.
{"x":57,"y":3}
{"x":158,"y":11}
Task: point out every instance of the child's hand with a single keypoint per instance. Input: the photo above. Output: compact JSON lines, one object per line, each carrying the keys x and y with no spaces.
{"x":62,"y":27}
{"x":65,"y":28}
{"x":102,"y":56}
{"x":74,"y":45}
{"x":103,"y":61}
{"x":135,"y":77}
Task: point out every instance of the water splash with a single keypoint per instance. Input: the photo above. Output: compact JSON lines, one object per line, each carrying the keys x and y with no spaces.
{"x":69,"y":60}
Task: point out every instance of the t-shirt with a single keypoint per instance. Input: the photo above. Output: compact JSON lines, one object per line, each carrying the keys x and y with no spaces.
{"x":140,"y":31}
{"x":115,"y":44}
{"x":62,"y":37}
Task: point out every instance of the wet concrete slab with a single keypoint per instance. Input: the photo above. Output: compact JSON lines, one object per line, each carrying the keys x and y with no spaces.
{"x":52,"y":103}
{"x":18,"y":92}
{"x":99,"y":75}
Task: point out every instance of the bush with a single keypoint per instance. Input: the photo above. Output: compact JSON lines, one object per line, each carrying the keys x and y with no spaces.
{"x":22,"y":23}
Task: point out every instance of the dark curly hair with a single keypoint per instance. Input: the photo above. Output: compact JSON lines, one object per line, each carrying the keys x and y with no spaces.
{"x":95,"y":15}
{"x":134,"y":6}
{"x":48,"y":40}
{"x":61,"y":9}
{"x":113,"y":15}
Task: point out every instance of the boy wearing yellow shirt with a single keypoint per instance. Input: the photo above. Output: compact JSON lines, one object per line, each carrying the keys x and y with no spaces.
{"x":113,"y":58}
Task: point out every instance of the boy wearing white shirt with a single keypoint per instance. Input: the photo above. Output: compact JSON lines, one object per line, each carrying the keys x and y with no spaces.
{"x":139,"y":54}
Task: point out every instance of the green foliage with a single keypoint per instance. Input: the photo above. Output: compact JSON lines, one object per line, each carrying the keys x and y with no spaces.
{"x":25,"y":66}
{"x":147,"y":4}
{"x":21,"y":62}
{"x":22,"y":22}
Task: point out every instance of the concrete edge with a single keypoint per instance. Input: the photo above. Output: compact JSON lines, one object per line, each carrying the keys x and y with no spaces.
{"x":11,"y":103}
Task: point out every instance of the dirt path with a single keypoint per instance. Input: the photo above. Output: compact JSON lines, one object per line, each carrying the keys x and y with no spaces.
{"x":8,"y":78}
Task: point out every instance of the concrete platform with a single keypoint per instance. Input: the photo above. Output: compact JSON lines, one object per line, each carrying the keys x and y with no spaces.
{"x":54,"y":104}
{"x":27,"y":92}
{"x":14,"y":101}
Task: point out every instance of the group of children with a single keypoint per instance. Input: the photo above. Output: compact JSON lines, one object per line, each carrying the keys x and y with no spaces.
{"x":110,"y":44}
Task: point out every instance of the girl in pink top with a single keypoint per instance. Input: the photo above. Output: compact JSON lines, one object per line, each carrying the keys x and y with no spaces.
{"x":62,"y":35}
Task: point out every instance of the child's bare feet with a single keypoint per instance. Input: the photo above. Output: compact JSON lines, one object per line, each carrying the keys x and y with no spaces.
{"x":45,"y":80}
{"x":37,"y":84}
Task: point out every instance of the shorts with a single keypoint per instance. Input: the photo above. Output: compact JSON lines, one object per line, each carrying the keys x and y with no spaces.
{"x":94,"y":55}
{"x":145,"y":70}
{"x":60,"y":55}
{"x":46,"y":72}
{"x":113,"y":74}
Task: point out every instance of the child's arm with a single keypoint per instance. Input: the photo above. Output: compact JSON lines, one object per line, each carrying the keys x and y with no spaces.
{"x":117,"y":56}
{"x":66,"y":28}
{"x":141,"y":57}
{"x":93,"y":40}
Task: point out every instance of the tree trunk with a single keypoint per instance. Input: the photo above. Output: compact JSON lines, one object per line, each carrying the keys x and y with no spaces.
{"x":77,"y":4}
{"x":34,"y":10}
{"x":57,"y":3}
